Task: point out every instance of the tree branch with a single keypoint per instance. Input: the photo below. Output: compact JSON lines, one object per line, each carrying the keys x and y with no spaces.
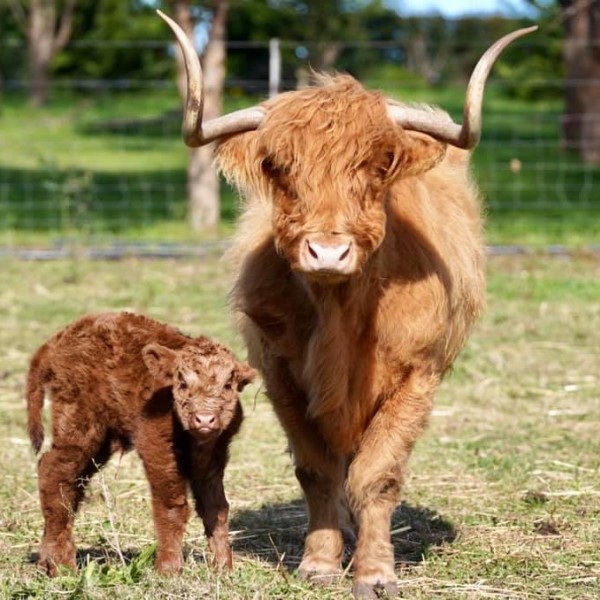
{"x":65,"y":27}
{"x":19,"y":14}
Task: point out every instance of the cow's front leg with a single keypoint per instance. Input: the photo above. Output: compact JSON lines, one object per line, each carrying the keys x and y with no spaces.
{"x":375,"y":478}
{"x":320,"y":474}
{"x":322,"y":485}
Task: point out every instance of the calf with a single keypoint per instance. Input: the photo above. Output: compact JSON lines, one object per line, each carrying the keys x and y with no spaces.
{"x":123,"y":380}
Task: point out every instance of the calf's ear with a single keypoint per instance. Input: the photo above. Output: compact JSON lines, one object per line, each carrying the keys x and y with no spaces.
{"x":160,"y":362}
{"x":244,"y":375}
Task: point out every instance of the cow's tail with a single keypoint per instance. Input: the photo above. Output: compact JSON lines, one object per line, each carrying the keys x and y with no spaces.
{"x":35,"y":398}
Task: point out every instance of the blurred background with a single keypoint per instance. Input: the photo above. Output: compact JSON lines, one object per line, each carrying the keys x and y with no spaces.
{"x":90,"y":109}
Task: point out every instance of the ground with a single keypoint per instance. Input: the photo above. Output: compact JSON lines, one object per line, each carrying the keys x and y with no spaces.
{"x":503,"y":496}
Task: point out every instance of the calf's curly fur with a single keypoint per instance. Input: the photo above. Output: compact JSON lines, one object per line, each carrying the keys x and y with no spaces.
{"x":122,"y":380}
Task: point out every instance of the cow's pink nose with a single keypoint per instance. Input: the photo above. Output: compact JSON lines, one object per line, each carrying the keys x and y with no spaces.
{"x":328,"y":257}
{"x":206,"y":421}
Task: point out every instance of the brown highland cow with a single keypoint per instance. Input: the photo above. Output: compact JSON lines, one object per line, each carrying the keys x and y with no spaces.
{"x":360,"y":272}
{"x":122,"y":380}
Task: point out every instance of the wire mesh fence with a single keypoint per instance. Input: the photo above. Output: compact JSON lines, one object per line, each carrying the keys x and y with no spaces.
{"x":104,"y":160}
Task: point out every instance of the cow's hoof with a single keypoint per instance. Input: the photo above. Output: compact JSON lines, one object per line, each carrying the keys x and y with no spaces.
{"x":364,"y":590}
{"x":322,"y":575}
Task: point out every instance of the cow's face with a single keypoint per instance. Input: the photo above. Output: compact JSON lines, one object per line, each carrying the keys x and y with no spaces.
{"x":326,"y":226}
{"x":206,"y":380}
{"x":329,"y":217}
{"x":325,"y":160}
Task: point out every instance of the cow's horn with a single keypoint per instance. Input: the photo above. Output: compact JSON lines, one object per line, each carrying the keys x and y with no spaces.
{"x":443,"y":128}
{"x":195,"y":133}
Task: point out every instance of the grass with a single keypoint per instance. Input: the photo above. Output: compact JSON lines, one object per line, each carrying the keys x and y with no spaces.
{"x":503,"y":495}
{"x":106,"y":167}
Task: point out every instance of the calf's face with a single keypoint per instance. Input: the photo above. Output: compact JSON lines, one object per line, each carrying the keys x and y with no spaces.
{"x":206,"y":380}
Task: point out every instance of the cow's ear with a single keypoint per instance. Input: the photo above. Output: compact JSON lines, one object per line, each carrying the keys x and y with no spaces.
{"x":244,"y":374}
{"x":160,"y":362}
{"x":419,"y":153}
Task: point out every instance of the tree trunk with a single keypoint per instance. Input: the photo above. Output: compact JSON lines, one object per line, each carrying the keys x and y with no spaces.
{"x":45,"y":37}
{"x":581,"y":118}
{"x":203,"y":179}
{"x":40,"y":38}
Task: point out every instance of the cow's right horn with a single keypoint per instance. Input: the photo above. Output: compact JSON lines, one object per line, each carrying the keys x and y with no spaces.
{"x":195,"y":132}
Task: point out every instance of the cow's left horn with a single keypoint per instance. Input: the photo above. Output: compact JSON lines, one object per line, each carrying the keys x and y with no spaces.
{"x":443,"y":128}
{"x":195,"y":133}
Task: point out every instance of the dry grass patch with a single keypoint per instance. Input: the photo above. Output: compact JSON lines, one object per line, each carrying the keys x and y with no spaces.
{"x":503,"y":497}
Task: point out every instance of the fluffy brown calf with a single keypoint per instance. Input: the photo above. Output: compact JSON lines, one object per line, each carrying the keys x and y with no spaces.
{"x":360,"y":273}
{"x":123,"y":380}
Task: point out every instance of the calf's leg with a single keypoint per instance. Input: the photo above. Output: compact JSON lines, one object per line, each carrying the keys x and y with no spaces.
{"x":63,"y":474}
{"x":169,"y":502}
{"x":212,"y":507}
{"x":375,"y":477}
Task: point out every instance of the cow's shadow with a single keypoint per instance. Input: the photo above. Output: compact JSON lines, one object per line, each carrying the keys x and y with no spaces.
{"x":275,"y":533}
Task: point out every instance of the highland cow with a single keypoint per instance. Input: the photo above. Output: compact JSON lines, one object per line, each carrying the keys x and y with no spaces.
{"x":119,"y":381}
{"x":359,"y":264}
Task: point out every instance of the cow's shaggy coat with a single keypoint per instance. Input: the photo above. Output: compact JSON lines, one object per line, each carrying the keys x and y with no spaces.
{"x":123,"y":380}
{"x":360,"y":272}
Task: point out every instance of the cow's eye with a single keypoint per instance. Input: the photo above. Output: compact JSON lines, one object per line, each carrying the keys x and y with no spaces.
{"x":269,"y":168}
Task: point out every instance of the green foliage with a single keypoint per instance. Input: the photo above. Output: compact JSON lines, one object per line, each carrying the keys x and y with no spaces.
{"x":113,"y":167}
{"x":116,"y":40}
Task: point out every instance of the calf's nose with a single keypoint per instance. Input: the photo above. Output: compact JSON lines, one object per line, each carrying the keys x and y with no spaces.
{"x":206,"y":421}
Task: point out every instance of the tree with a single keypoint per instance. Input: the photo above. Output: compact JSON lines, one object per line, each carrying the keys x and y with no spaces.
{"x":47,"y":26}
{"x":581,"y":118}
{"x":116,"y":40}
{"x":202,"y":178}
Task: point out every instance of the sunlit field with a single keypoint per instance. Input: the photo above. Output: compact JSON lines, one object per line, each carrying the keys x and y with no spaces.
{"x":503,"y":495}
{"x":111,"y":167}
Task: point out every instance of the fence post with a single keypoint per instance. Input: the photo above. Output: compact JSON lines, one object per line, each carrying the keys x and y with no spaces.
{"x":274,"y":67}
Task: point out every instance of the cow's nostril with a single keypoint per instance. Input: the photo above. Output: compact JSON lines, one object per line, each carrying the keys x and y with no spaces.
{"x":311,"y":250}
{"x":345,"y":253}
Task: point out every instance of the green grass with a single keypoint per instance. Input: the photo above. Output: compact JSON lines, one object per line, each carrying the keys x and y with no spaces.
{"x":503,"y":495}
{"x":108,"y":167}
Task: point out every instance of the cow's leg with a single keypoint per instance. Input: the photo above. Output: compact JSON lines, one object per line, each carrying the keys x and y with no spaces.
{"x":321,"y":475}
{"x":375,"y":477}
{"x":63,"y":474}
{"x":212,"y":507}
{"x":169,"y":495}
{"x":322,"y":484}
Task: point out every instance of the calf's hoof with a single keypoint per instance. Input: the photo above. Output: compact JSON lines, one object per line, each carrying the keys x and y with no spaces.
{"x":223,"y":561}
{"x":168,"y":564}
{"x":52,"y":562}
{"x":364,"y":590}
{"x":52,"y":568}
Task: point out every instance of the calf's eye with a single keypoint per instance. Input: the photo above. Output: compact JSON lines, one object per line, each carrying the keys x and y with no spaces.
{"x":182,"y":383}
